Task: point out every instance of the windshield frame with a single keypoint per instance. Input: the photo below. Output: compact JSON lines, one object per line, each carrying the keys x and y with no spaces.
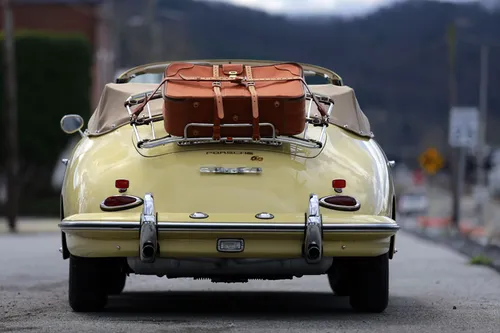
{"x":159,"y":68}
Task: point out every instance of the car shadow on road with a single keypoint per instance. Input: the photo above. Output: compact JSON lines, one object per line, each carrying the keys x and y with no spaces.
{"x":233,"y":305}
{"x":242,"y":304}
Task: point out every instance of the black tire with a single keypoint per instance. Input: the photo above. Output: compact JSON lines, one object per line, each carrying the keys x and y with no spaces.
{"x":87,"y":289}
{"x":338,"y":277}
{"x":370,"y":284}
{"x":116,"y":282}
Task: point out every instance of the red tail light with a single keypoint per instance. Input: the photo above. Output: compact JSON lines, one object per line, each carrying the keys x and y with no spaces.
{"x":122,"y":184}
{"x":120,"y":202}
{"x":340,"y":202}
{"x":339,"y":183}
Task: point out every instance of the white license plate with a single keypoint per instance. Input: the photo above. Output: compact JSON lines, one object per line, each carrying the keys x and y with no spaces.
{"x":230,"y":245}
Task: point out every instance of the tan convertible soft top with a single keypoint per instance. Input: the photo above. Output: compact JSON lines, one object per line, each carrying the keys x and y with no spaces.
{"x":111,"y":112}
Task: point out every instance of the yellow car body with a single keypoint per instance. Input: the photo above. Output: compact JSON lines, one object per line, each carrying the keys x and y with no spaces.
{"x":187,"y":211}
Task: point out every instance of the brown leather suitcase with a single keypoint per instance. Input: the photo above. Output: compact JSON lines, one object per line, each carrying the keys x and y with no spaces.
{"x":234,"y":94}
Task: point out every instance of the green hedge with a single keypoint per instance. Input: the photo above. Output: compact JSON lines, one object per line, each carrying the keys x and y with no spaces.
{"x":53,"y":79}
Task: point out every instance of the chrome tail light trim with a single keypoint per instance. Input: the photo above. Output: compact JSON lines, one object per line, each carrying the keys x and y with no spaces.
{"x":323,"y":203}
{"x":137,"y":202}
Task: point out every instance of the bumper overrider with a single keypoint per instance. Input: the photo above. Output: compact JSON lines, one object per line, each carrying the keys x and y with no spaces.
{"x":313,"y":230}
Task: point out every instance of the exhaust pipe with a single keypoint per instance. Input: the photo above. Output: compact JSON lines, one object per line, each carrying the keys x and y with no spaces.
{"x":148,"y":252}
{"x":313,"y":253}
{"x":149,"y":233}
{"x":313,"y":238}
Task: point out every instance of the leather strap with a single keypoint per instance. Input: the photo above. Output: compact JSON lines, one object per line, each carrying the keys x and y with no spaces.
{"x":321,"y":109}
{"x":139,"y":108}
{"x":219,"y":107}
{"x":233,"y":78}
{"x":255,"y":103}
{"x":243,"y":80}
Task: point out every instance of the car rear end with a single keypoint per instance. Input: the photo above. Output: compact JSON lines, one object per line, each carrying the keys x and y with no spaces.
{"x":230,"y":202}
{"x":229,"y":210}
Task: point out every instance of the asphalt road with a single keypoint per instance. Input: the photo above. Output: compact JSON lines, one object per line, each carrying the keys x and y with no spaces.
{"x":427,"y":282}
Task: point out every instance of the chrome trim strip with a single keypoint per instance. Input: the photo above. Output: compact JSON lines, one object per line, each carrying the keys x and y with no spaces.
{"x":99,"y":225}
{"x":213,"y":226}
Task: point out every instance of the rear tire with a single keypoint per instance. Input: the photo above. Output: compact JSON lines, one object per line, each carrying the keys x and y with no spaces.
{"x":370,"y":284}
{"x":87,"y":289}
{"x":338,"y":277}
{"x":116,"y":282}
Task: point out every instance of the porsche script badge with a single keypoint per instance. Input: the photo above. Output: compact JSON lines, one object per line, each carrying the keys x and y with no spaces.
{"x":231,"y":171}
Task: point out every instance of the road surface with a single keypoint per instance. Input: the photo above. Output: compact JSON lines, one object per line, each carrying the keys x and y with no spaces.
{"x":432,"y":290}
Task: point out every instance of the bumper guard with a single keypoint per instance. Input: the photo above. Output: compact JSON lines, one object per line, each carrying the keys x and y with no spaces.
{"x":149,"y":231}
{"x":313,"y":235}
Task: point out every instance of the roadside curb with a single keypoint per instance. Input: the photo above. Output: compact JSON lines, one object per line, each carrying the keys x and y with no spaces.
{"x":461,"y":244}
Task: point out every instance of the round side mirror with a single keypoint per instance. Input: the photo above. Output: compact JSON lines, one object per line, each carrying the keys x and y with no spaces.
{"x":71,"y":123}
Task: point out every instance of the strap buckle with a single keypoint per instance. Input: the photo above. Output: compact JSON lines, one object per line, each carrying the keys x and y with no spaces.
{"x":247,"y":83}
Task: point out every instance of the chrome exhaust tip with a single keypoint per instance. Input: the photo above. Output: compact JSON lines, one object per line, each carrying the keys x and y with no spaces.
{"x":148,"y":251}
{"x":313,"y":253}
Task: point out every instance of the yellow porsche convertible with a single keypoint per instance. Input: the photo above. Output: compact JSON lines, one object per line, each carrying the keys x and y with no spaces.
{"x":137,"y":200}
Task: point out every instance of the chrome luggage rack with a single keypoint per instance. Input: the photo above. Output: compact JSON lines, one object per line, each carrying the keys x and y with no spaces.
{"x":273,"y":140}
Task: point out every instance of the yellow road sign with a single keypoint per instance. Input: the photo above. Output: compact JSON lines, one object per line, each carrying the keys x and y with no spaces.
{"x":431,"y":160}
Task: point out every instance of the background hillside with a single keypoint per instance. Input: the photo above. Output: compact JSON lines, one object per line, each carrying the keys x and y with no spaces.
{"x":396,"y":58}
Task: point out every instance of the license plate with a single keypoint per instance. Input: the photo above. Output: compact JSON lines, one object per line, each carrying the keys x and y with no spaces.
{"x":230,"y":245}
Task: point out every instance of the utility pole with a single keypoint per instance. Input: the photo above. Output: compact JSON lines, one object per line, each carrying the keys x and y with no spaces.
{"x":155,"y":32}
{"x":105,"y":53}
{"x":11,"y":116}
{"x":483,"y":111}
{"x":457,"y":169}
{"x":115,"y":37}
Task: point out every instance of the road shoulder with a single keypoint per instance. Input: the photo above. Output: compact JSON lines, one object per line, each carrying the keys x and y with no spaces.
{"x":458,"y":242}
{"x":29,"y":225}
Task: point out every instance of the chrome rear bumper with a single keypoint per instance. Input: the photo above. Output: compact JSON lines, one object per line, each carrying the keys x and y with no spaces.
{"x":313,"y":229}
{"x":241,"y":227}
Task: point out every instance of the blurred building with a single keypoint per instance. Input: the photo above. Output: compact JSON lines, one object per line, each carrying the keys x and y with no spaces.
{"x":92,"y":18}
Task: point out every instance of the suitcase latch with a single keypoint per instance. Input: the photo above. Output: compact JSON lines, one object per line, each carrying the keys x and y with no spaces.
{"x":232,"y":74}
